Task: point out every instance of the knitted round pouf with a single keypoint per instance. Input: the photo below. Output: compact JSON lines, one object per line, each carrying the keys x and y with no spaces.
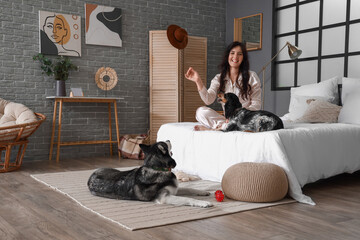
{"x":255,"y":182}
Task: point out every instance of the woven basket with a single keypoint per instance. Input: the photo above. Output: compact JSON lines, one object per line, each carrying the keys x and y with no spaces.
{"x":16,"y":135}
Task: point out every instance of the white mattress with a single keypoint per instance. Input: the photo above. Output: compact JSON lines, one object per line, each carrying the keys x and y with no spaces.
{"x":307,"y":152}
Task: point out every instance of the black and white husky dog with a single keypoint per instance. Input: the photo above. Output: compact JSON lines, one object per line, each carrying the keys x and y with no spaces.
{"x":153,"y":181}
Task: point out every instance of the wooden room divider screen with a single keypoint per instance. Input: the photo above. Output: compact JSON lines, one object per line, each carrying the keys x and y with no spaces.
{"x":172,"y":97}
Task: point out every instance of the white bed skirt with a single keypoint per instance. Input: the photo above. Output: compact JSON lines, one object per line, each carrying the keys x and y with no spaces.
{"x":306,"y":152}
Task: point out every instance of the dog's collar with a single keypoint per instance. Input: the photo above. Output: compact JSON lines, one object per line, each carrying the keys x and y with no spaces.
{"x":162,"y":169}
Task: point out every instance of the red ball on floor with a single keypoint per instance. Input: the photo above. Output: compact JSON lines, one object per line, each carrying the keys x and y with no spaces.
{"x":219,"y":196}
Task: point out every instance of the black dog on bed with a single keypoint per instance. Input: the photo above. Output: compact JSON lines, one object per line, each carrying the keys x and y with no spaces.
{"x":241,"y":119}
{"x":153,"y":181}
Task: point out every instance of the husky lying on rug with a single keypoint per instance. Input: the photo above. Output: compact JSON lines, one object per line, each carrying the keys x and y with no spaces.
{"x":153,"y":181}
{"x":241,"y":119}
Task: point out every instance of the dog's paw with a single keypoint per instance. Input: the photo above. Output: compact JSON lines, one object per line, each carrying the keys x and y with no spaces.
{"x":203,"y":193}
{"x":200,"y":203}
{"x":205,"y":204}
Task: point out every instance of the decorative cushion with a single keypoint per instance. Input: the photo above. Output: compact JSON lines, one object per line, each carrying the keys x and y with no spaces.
{"x":300,"y":105}
{"x":326,"y":90}
{"x":320,"y":111}
{"x":14,"y":113}
{"x":255,"y":182}
{"x":3,"y":103}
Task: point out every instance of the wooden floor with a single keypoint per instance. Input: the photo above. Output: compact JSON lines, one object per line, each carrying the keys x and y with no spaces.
{"x":30,"y":210}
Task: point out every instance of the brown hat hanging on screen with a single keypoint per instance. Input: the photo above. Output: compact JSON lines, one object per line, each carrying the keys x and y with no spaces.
{"x":177,"y":36}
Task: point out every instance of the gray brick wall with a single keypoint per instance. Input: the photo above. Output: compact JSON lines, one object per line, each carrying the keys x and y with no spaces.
{"x":21,"y":79}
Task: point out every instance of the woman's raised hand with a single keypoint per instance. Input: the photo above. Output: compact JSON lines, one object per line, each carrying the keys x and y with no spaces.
{"x":192,"y":75}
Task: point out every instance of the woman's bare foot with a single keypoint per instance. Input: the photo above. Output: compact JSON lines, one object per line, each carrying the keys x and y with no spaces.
{"x":201,"y":128}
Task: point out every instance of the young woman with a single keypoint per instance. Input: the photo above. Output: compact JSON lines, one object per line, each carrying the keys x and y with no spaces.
{"x":235,"y":77}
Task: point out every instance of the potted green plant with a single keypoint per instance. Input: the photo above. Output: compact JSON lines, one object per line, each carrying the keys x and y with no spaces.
{"x":60,"y":70}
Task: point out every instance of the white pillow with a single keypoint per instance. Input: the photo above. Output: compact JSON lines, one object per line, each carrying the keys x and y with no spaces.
{"x":299,"y":105}
{"x":348,"y":85}
{"x":350,"y":112}
{"x":327,"y":88}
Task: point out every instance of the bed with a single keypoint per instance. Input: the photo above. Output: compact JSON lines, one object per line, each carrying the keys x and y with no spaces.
{"x":306,"y":151}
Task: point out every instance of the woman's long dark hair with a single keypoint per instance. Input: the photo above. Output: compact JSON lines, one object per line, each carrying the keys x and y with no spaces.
{"x":224,"y":66}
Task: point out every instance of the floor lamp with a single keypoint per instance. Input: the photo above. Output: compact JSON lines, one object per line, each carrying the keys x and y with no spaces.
{"x":294,"y":52}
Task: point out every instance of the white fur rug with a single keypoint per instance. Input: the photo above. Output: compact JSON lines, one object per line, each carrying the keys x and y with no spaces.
{"x":134,"y":215}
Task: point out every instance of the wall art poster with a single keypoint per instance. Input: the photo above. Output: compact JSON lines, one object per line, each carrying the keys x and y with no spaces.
{"x":103,"y":25}
{"x":60,"y":34}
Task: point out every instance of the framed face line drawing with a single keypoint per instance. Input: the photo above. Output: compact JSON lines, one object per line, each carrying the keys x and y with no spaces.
{"x":60,"y":34}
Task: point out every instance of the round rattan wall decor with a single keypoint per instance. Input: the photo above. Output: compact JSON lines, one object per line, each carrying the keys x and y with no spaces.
{"x":106,"y":78}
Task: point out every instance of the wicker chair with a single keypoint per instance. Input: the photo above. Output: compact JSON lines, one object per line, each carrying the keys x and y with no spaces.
{"x":12,"y":135}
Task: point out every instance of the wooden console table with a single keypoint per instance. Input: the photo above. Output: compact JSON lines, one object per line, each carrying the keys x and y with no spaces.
{"x":60,"y":101}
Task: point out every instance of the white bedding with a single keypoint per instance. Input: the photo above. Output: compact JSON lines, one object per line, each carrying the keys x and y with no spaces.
{"x":307,"y":152}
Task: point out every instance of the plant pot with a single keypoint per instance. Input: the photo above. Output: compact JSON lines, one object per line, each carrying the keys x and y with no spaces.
{"x":60,"y":89}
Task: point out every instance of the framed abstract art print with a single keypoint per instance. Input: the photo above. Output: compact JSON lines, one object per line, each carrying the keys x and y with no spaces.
{"x":103,"y":25}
